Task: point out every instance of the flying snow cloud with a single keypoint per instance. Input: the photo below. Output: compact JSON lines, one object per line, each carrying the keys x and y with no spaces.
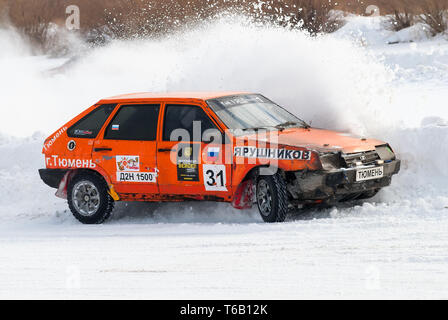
{"x":329,"y":82}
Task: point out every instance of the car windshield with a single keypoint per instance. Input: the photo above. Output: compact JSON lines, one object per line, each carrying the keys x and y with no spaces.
{"x":253,"y":111}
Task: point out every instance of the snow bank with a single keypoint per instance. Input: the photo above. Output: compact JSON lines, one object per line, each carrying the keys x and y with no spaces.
{"x":370,"y":31}
{"x":366,"y":31}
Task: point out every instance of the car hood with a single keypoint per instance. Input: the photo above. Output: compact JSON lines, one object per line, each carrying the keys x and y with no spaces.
{"x":324,"y":140}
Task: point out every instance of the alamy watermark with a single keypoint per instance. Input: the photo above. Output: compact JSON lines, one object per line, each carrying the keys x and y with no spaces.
{"x":73,"y":21}
{"x":373,"y":11}
{"x":72,"y":278}
{"x":373,"y":278}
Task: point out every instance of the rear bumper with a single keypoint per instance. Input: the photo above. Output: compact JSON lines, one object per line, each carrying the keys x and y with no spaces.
{"x":52,"y":177}
{"x":338,"y":184}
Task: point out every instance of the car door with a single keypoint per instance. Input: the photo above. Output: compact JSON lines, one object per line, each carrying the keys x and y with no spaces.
{"x":127,"y":149}
{"x":191,"y":166}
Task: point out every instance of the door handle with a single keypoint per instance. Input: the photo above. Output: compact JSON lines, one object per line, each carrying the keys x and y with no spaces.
{"x":165,"y":150}
{"x":102,"y":149}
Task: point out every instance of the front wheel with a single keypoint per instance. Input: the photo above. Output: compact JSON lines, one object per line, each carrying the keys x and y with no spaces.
{"x":272,"y":199}
{"x":88,"y":198}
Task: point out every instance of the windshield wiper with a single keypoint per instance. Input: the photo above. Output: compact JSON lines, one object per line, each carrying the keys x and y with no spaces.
{"x":286,"y":124}
{"x":256,"y":128}
{"x":283,"y":126}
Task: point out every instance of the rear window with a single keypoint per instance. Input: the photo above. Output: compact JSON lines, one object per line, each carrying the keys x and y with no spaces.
{"x":134,"y":122}
{"x":91,"y":124}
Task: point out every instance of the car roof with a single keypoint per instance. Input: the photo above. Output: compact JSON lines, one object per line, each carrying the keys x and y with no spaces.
{"x":142,"y":96}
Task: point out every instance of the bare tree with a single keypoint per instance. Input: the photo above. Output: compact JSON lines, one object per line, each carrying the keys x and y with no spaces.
{"x":317,"y":16}
{"x":33,"y":18}
{"x":400,"y":13}
{"x":314,"y":16}
{"x":434,"y":14}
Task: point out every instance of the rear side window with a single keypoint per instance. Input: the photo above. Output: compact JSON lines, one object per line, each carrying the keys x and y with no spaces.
{"x":91,"y":124}
{"x":134,"y":122}
{"x":182,"y":117}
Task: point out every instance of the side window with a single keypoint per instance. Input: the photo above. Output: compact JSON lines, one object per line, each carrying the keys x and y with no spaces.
{"x":91,"y":124}
{"x":134,"y":122}
{"x":182,"y":117}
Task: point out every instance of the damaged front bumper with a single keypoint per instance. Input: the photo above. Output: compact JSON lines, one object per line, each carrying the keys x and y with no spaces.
{"x":338,"y":184}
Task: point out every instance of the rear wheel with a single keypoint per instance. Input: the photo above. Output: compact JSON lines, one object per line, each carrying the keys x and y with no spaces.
{"x":272,"y":199}
{"x":88,"y":198}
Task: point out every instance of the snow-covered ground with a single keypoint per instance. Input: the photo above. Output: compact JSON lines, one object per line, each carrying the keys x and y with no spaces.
{"x":393,"y":246}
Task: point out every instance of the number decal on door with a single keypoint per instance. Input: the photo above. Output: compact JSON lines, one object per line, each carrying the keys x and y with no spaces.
{"x":214,"y":177}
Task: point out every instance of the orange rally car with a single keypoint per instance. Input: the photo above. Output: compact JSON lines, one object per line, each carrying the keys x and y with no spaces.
{"x":232,"y":147}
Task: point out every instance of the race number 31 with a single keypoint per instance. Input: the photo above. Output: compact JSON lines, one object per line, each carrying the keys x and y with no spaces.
{"x":214,"y":177}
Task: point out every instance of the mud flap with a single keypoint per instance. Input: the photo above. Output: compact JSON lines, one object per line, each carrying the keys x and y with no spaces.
{"x":113,"y":194}
{"x":244,"y":195}
{"x":62,"y":189}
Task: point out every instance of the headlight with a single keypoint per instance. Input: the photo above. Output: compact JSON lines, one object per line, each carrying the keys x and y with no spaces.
{"x":330,"y":160}
{"x":385,"y":152}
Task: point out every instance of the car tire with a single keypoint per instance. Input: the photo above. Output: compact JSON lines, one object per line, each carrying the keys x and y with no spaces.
{"x":89,"y":199}
{"x":271,"y":197}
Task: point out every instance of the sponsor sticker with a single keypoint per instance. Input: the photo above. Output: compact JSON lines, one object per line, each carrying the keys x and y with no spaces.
{"x":50,"y":142}
{"x":149,"y":177}
{"x":213,"y":153}
{"x":240,"y":100}
{"x":214,"y":177}
{"x":267,"y":153}
{"x":56,"y":161}
{"x":187,"y":163}
{"x":187,"y":171}
{"x":128,"y":170}
{"x":71,"y":145}
{"x":369,"y":174}
{"x":79,"y":132}
{"x":128,"y":163}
